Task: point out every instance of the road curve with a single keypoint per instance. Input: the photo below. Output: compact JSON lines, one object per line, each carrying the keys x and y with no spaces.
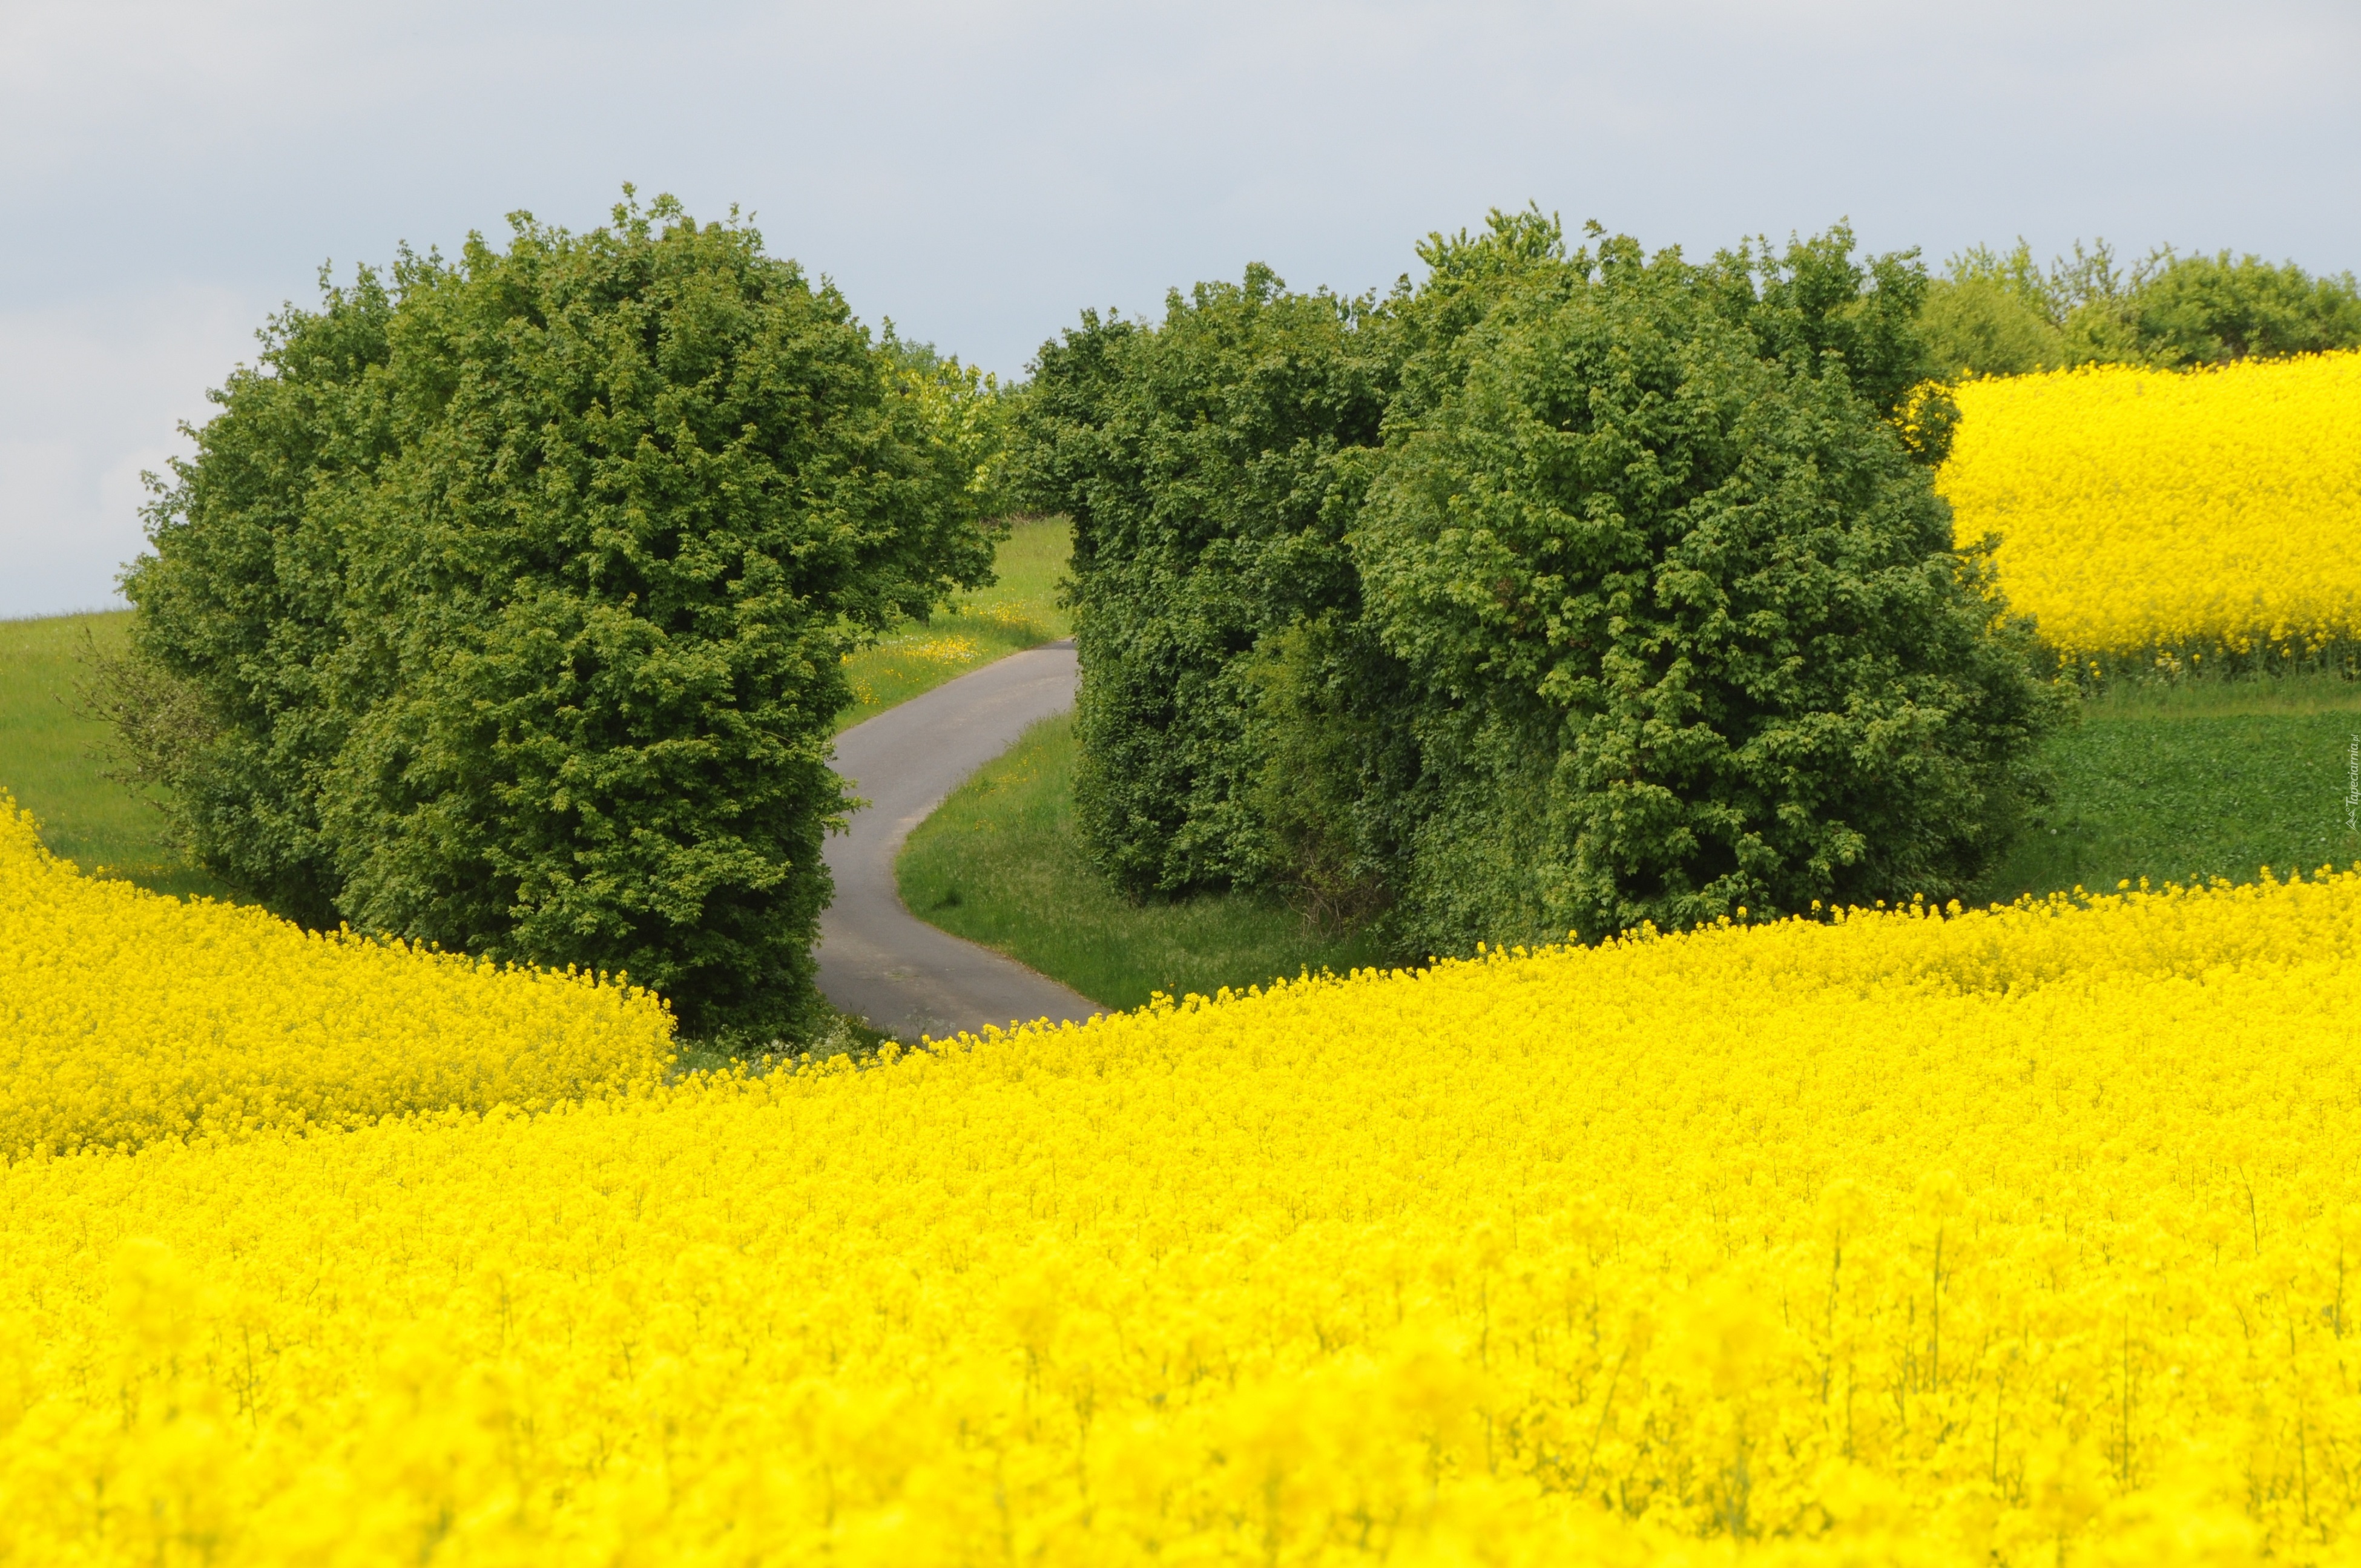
{"x":876,"y":959}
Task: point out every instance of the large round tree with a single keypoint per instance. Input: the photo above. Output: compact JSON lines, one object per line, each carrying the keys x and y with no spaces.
{"x":1661,"y":554}
{"x":511,"y":596}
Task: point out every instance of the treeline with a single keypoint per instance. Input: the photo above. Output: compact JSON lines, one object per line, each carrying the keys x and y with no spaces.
{"x":1571,"y":588}
{"x":503,"y":604}
{"x":1994,"y":315}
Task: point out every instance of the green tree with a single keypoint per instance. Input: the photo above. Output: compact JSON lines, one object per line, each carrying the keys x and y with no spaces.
{"x":241,"y":606}
{"x":1195,"y":459}
{"x":1567,"y":588}
{"x":518,"y":590}
{"x":1976,"y":327}
{"x":2206,"y":310}
{"x":1681,"y":609}
{"x":2002,"y":314}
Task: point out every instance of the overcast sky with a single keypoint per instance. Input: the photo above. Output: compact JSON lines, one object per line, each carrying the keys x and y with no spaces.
{"x":171,"y":172}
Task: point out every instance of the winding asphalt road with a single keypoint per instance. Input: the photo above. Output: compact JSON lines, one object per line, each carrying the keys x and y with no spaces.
{"x":876,"y":959}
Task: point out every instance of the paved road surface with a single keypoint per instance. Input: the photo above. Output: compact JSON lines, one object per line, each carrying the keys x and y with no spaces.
{"x":877,"y":959}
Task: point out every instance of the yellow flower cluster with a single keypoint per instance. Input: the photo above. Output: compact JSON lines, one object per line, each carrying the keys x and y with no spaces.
{"x":126,"y":1017}
{"x":2025,"y":1236}
{"x":2170,"y":517}
{"x":949,"y":650}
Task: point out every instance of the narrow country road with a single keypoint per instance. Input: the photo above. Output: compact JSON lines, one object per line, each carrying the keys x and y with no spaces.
{"x":876,"y":959}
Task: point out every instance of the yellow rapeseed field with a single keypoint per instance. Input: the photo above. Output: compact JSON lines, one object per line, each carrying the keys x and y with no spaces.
{"x":125,"y":1017}
{"x":2151,"y":517}
{"x":2027,"y":1236}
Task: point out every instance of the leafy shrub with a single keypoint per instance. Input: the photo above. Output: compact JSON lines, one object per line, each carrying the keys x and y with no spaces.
{"x":1975,"y":326}
{"x":518,"y":588}
{"x":1681,"y":611}
{"x":1634,"y":603}
{"x":2210,"y":310}
{"x":1997,"y":315}
{"x":1196,"y":461}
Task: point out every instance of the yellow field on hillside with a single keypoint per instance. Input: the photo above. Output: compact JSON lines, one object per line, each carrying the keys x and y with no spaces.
{"x":2172,"y":518}
{"x":126,"y":1017}
{"x":2025,"y":1236}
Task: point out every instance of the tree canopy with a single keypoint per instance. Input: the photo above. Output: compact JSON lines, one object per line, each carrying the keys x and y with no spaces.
{"x":514,"y":593}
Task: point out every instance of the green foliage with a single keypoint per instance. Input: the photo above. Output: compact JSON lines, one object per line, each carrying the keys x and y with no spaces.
{"x":1818,"y":309}
{"x":517,"y":591}
{"x":1568,"y":589}
{"x":1996,"y":314}
{"x":1333,"y":772}
{"x":1974,"y":327}
{"x":2204,"y":310}
{"x":966,"y":412}
{"x":1195,"y":463}
{"x":242,"y":602}
{"x":1682,"y":612}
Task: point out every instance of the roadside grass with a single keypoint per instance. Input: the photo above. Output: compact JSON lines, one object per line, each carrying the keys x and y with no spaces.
{"x":1000,"y":863}
{"x":1019,"y":611}
{"x":2216,"y":778}
{"x":49,"y":758}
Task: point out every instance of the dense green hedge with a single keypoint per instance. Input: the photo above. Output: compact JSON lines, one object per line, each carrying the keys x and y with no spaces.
{"x":1198,"y":462}
{"x":513,"y":595}
{"x":1570,"y":590}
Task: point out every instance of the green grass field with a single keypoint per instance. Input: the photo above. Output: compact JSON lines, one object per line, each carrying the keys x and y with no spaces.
{"x":49,"y":757}
{"x":2197,"y":780}
{"x":2217,"y":779}
{"x":1000,"y":863}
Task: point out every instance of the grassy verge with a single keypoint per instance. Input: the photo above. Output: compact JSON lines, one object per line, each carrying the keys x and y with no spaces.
{"x":2205,"y":779}
{"x":1000,"y":863}
{"x":1018,"y":612}
{"x":48,"y":762}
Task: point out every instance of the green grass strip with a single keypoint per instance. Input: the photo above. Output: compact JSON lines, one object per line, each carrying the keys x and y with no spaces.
{"x":1001,"y":864}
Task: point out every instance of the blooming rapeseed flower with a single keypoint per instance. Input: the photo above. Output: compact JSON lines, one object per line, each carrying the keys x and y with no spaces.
{"x":2171,"y":518}
{"x":1949,"y":1237}
{"x":126,"y":1017}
